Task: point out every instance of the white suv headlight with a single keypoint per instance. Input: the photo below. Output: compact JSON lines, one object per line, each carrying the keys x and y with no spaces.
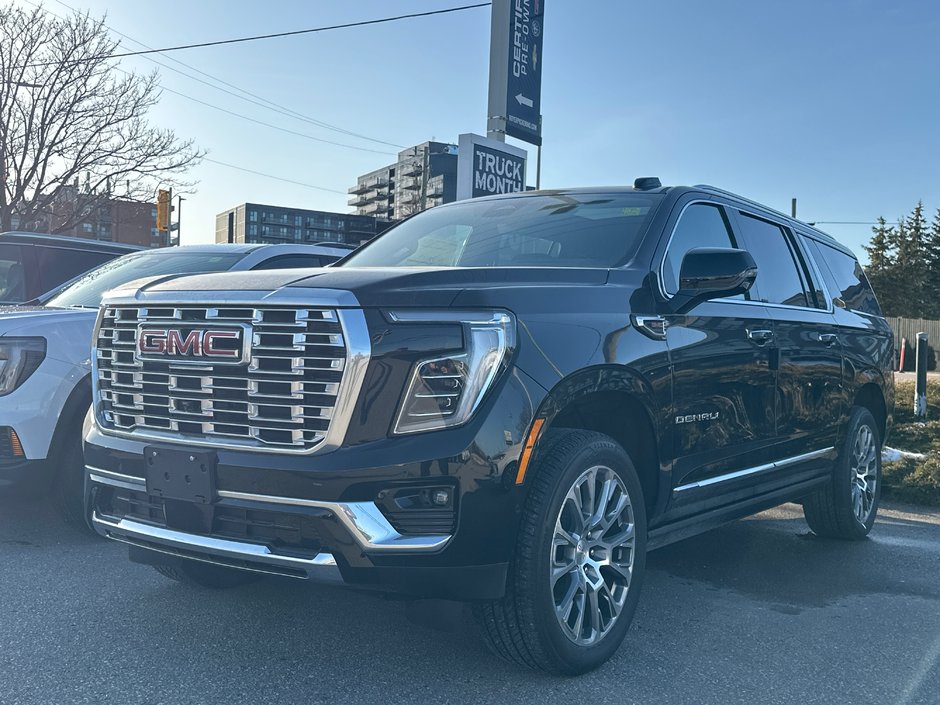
{"x":19,"y":358}
{"x":445,"y":390}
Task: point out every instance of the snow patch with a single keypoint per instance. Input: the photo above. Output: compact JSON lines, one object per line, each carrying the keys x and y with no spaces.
{"x":893,"y":455}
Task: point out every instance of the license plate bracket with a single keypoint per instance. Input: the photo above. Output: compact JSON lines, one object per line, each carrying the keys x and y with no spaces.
{"x":180,"y":474}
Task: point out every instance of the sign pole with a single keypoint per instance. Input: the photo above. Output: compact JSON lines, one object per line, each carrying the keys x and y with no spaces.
{"x":499,"y":69}
{"x":538,"y":160}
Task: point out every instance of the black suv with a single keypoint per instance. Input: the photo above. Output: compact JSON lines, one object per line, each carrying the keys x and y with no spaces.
{"x":507,"y":400}
{"x":33,"y":265}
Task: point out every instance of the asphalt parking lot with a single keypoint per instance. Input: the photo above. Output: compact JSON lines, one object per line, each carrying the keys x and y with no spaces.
{"x":757,"y":611}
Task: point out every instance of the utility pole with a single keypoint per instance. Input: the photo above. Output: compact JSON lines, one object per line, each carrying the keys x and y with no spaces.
{"x":179,"y":219}
{"x":793,"y":208}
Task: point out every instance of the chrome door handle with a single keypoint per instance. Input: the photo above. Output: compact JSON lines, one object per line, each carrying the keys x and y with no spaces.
{"x":828,"y":339}
{"x":761,"y":337}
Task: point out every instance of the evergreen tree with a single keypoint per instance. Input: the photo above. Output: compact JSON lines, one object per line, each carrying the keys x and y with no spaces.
{"x":881,"y":266}
{"x":880,"y":256}
{"x":933,"y":267}
{"x":918,"y":267}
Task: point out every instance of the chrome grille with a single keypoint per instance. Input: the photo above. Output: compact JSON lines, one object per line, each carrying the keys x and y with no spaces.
{"x":284,"y":398}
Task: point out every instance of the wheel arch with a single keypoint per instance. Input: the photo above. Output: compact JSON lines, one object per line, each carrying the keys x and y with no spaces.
{"x":73,"y":414}
{"x":617,"y":402}
{"x":871,"y":396}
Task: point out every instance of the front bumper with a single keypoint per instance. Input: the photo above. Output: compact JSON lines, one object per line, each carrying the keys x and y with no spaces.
{"x":355,"y":544}
{"x":328,"y":517}
{"x":20,"y":473}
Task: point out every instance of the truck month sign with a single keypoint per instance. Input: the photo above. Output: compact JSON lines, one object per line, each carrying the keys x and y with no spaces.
{"x":486,"y":167}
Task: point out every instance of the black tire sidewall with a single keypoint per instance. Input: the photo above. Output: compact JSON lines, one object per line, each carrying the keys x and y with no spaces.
{"x":571,"y":657}
{"x":843,"y":478}
{"x":69,"y":483}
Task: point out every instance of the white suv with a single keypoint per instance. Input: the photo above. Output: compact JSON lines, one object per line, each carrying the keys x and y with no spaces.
{"x":45,"y":358}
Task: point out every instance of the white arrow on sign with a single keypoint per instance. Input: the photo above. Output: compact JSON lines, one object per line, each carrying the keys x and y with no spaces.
{"x":527,"y":102}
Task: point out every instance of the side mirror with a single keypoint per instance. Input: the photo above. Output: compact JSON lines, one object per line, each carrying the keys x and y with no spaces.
{"x":713,"y":272}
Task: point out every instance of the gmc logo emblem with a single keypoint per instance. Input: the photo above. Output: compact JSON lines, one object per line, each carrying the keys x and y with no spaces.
{"x":222,"y":345}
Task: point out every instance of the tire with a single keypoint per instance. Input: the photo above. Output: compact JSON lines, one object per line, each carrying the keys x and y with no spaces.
{"x":203,"y":575}
{"x":846,"y":507}
{"x":526,"y":627}
{"x":68,"y":485}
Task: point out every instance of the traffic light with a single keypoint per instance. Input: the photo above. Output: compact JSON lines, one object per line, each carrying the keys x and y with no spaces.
{"x":163,"y":210}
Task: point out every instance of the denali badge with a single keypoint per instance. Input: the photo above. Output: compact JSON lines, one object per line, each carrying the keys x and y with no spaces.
{"x":186,"y":344}
{"x":692,"y":418}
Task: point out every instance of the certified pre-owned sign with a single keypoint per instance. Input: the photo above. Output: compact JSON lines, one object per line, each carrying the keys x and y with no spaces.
{"x":487,"y":167}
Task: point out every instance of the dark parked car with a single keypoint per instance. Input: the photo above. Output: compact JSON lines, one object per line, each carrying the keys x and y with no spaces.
{"x":32,"y":265}
{"x":508,"y":400}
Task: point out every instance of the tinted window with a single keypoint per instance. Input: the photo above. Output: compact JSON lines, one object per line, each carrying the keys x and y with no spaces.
{"x":846,"y":279}
{"x":12,"y":276}
{"x":700,"y":225}
{"x":59,"y":264}
{"x":295,"y":261}
{"x":778,"y":275}
{"x":557,"y":230}
{"x":87,"y":291}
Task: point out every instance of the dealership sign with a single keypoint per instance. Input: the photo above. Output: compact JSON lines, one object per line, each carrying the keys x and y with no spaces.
{"x":515,"y":100}
{"x":486,"y":167}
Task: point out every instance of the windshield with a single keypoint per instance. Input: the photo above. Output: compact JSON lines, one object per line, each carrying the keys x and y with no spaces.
{"x":555,"y":230}
{"x":87,"y":291}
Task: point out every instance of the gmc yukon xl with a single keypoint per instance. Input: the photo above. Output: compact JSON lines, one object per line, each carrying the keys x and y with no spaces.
{"x":507,"y":400}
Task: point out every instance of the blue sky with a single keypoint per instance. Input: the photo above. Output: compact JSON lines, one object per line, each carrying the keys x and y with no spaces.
{"x":835,"y":103}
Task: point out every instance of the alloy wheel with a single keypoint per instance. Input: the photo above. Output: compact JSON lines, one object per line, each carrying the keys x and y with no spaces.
{"x":864,"y":479}
{"x":592,"y":555}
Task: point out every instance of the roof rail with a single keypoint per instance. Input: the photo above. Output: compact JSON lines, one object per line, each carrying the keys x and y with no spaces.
{"x":750,"y":201}
{"x":725,"y":192}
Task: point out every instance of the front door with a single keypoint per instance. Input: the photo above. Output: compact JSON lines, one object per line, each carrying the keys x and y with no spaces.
{"x":723,"y":360}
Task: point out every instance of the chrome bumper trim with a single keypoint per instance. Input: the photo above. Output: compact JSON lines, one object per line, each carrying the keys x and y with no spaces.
{"x":364,"y":521}
{"x":321,"y":567}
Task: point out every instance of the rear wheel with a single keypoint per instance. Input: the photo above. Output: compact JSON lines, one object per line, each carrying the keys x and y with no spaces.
{"x":575,"y":580}
{"x":205,"y":575}
{"x":847,"y":506}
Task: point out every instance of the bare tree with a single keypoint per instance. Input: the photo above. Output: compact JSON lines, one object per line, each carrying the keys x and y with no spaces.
{"x":73,"y":125}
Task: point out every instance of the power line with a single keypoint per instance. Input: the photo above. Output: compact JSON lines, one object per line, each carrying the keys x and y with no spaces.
{"x":272,"y":176}
{"x":267,"y":124}
{"x":237,"y":40}
{"x":260,"y":101}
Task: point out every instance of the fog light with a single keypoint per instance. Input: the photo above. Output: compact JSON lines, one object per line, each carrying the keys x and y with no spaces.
{"x":441,"y":497}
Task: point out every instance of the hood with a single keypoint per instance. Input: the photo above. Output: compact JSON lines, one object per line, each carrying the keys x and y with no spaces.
{"x":391,"y":286}
{"x":21,"y":319}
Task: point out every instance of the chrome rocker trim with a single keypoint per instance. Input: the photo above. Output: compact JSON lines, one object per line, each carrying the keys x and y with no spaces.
{"x":767,"y":467}
{"x":364,"y":521}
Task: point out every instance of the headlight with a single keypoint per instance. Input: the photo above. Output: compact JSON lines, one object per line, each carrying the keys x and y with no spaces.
{"x":445,"y":390}
{"x":19,"y":358}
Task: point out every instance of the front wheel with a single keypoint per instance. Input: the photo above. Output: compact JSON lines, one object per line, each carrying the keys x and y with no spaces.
{"x":581,"y":554}
{"x":846,"y":507}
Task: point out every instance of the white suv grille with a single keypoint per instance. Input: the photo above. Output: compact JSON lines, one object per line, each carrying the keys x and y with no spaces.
{"x":283,"y":398}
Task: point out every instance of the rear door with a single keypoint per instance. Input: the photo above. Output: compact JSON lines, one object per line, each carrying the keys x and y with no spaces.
{"x":15,"y":283}
{"x":56,"y":265}
{"x":809,"y":397}
{"x":723,"y":379}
